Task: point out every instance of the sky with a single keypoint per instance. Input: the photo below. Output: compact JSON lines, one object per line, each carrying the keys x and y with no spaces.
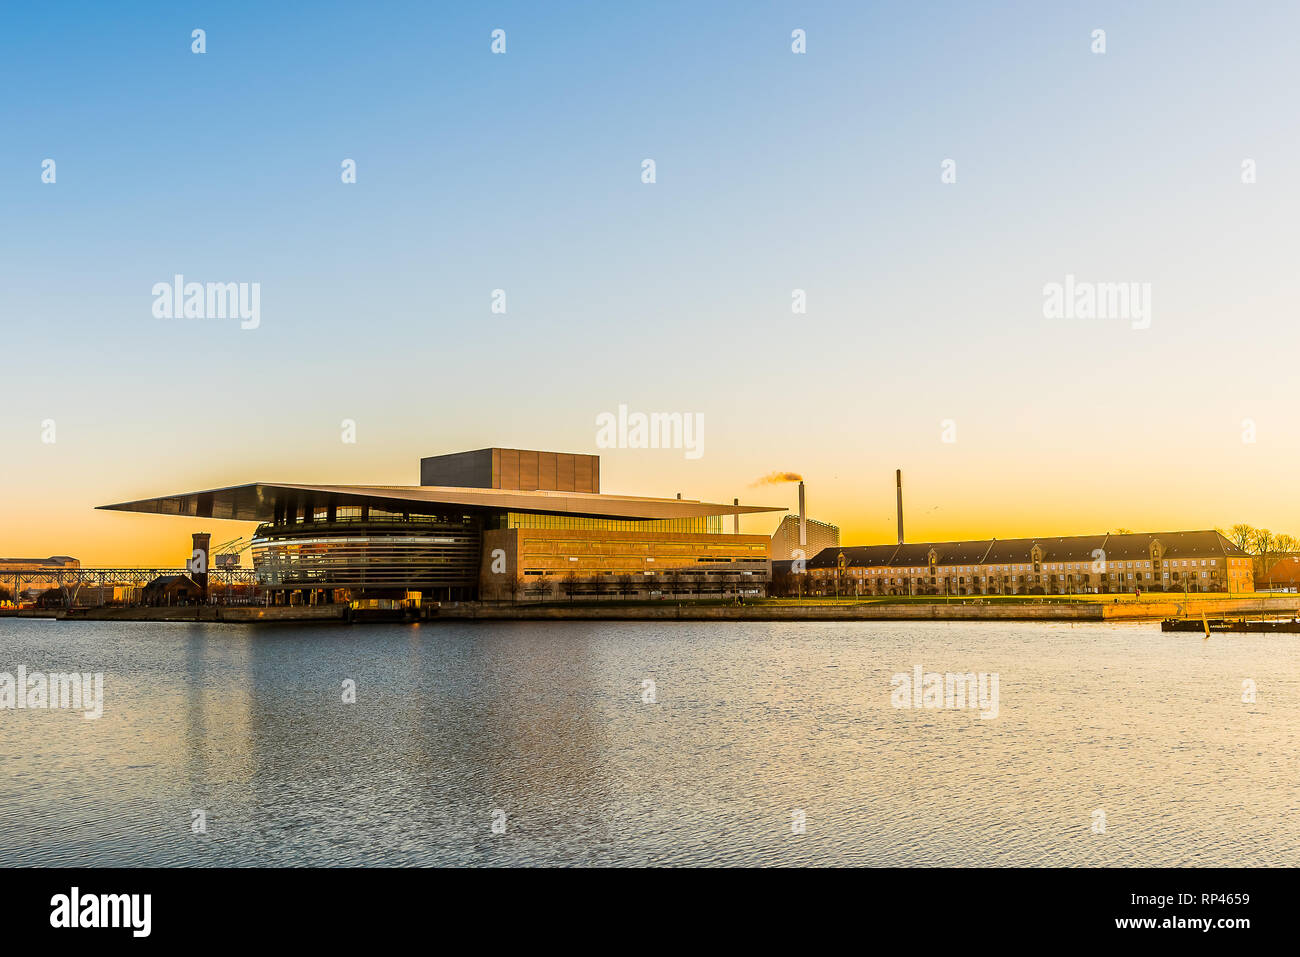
{"x":924,"y":343}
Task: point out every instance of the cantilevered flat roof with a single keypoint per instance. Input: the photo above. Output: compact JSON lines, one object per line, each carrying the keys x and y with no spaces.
{"x":256,"y":502}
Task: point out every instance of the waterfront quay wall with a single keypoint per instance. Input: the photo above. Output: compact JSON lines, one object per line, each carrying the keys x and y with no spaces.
{"x":234,"y":614}
{"x":930,"y":611}
{"x":1272,"y":606}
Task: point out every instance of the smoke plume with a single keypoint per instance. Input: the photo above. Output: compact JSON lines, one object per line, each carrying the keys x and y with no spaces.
{"x":778,"y":478}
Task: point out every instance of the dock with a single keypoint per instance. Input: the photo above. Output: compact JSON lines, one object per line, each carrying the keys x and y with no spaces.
{"x":1213,"y":625}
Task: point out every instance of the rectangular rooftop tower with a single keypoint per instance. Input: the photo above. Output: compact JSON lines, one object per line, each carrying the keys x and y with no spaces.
{"x":515,"y":469}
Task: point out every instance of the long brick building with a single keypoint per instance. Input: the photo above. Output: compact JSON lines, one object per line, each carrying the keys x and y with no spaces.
{"x":1197,"y":561}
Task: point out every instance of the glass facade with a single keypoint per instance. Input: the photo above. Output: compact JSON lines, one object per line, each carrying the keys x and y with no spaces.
{"x":711,"y":524}
{"x":363,"y":549}
{"x":362,"y":514}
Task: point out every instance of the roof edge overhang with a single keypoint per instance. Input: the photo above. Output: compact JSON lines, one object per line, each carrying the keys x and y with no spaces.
{"x":257,"y":501}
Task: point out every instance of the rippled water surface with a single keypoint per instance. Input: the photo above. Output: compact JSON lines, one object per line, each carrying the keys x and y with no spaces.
{"x":752,"y":722}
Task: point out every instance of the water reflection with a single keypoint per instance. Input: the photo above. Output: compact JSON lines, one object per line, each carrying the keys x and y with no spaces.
{"x":546,"y":723}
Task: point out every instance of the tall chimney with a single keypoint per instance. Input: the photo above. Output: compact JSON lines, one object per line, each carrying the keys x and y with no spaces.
{"x":198,"y":563}
{"x":735,"y":519}
{"x":898,"y":479}
{"x":803,"y":520}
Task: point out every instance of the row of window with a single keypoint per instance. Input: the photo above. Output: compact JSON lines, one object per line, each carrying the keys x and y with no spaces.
{"x":1038,"y":579}
{"x":1038,"y":568}
{"x":711,"y":524}
{"x":685,"y":573}
{"x":354,"y":514}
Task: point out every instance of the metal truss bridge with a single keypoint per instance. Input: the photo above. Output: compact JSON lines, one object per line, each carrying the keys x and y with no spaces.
{"x":71,"y":580}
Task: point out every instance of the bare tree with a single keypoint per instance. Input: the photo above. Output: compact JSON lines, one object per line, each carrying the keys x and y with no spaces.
{"x":674,"y":576}
{"x":569,"y":584}
{"x":625,"y":585}
{"x":1243,"y":536}
{"x":1264,"y":548}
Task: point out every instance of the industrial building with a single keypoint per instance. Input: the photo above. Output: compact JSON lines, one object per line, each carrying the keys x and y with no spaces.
{"x":799,"y":537}
{"x":38,"y":564}
{"x":487,"y":524}
{"x":16,"y":574}
{"x":817,"y":537}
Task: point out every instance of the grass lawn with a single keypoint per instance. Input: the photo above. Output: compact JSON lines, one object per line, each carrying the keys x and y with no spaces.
{"x":891,"y":600}
{"x":999,"y":599}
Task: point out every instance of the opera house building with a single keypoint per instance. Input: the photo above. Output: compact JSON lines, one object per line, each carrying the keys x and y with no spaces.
{"x":488,"y":524}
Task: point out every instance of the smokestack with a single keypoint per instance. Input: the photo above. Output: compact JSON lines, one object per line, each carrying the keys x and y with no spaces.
{"x":198,"y":563}
{"x":898,"y":479}
{"x":803,"y":520}
{"x":735,"y":519}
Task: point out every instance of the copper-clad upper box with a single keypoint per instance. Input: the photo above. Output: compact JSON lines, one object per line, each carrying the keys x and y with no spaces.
{"x":524,"y":470}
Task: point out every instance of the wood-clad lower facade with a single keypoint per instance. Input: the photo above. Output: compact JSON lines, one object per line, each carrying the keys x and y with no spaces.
{"x":523,"y":562}
{"x":1192,"y":561}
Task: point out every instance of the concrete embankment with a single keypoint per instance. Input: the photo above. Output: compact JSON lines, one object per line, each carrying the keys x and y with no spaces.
{"x":1271,"y":606}
{"x":233,"y":614}
{"x":937,"y":611}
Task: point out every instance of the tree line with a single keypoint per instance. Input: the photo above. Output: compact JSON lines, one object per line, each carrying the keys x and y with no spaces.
{"x":1264,"y":546}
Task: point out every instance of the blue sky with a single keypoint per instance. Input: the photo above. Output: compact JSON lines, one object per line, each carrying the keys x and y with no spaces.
{"x":775,"y":171}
